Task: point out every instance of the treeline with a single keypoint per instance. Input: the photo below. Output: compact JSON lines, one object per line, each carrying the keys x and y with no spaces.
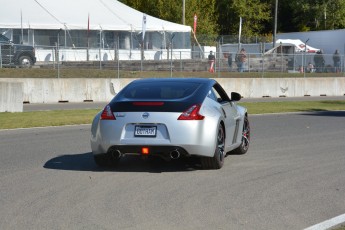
{"x":222,"y":17}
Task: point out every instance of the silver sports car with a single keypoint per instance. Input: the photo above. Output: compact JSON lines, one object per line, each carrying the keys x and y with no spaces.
{"x":171,"y":118}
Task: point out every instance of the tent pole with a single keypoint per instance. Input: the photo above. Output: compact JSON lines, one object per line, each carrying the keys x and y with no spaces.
{"x":142,"y":55}
{"x":100,"y":47}
{"x":118,"y":58}
{"x":131,"y":45}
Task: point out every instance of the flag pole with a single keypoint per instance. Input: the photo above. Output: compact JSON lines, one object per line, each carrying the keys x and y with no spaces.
{"x":88,"y":37}
{"x":21,"y":27}
{"x":239,"y":34}
{"x":143,"y":40}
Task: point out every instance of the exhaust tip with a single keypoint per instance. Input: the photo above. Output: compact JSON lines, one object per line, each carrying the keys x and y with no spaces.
{"x":115,"y":153}
{"x":175,"y":154}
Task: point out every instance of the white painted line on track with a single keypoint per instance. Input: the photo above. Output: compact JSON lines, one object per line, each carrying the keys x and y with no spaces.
{"x":328,"y":223}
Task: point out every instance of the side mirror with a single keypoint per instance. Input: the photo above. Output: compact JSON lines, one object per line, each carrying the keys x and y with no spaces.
{"x":235,"y":96}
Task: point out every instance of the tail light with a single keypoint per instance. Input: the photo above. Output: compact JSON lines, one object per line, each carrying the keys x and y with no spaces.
{"x":107,"y":114}
{"x":145,"y":150}
{"x":192,"y":114}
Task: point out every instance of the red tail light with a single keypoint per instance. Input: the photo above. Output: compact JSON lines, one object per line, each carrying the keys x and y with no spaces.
{"x":145,"y":150}
{"x":191,"y":114}
{"x":107,"y":114}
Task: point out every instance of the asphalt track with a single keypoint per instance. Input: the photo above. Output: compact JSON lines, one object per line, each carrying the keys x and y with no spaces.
{"x":291,"y":178}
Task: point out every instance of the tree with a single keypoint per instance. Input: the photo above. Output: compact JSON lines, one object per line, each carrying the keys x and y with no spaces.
{"x":335,"y":17}
{"x":172,"y":11}
{"x":255,"y":14}
{"x":221,"y":17}
{"x":311,"y":15}
{"x":207,"y":16}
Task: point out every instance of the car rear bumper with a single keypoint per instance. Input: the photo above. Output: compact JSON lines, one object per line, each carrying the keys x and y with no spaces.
{"x":165,"y":152}
{"x":192,"y":137}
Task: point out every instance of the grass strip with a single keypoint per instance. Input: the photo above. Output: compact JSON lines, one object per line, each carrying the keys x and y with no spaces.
{"x":73,"y":117}
{"x":83,"y":72}
{"x":46,"y":118}
{"x":293,"y":106}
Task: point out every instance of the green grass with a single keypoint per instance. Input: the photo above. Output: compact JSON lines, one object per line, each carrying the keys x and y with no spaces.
{"x":93,"y":72}
{"x":46,"y":118}
{"x":73,"y":117}
{"x":342,"y":227}
{"x":293,"y":106}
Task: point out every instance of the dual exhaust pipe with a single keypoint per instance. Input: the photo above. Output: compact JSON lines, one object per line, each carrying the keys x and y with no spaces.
{"x":175,"y":154}
{"x":116,"y":154}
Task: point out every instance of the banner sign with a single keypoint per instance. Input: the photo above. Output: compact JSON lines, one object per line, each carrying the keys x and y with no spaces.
{"x":195,"y":22}
{"x":144,"y":27}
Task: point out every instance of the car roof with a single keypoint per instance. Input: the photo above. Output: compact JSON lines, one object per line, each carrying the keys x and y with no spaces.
{"x":178,"y":94}
{"x":195,"y":80}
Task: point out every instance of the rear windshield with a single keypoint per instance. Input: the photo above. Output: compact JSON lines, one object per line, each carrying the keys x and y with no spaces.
{"x":160,"y":90}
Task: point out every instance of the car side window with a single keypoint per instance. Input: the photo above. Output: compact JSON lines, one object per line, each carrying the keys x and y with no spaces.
{"x":220,"y":93}
{"x":211,"y":95}
{"x":214,"y":95}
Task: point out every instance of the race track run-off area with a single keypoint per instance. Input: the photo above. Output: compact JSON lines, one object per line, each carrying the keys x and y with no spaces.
{"x":292,"y":177}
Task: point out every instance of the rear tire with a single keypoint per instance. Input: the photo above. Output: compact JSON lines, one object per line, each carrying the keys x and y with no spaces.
{"x":243,"y":148}
{"x":217,"y":161}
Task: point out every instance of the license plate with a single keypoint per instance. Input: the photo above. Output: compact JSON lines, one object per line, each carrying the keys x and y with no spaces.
{"x":145,"y":131}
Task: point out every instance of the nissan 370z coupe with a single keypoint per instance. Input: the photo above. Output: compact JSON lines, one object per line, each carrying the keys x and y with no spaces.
{"x":171,"y":118}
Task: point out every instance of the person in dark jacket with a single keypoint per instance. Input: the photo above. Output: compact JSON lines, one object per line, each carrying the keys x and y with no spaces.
{"x":336,"y":61}
{"x":230,"y":61}
{"x":211,"y":60}
{"x":319,"y":62}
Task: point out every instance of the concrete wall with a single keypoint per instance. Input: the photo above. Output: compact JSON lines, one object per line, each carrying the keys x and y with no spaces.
{"x":11,"y":96}
{"x":38,"y":90}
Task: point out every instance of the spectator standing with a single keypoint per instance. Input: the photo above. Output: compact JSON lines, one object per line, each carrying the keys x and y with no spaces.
{"x":230,"y":61}
{"x":240,"y":59}
{"x":336,"y":61}
{"x":211,"y":60}
{"x":310,"y":68}
{"x":319,"y":61}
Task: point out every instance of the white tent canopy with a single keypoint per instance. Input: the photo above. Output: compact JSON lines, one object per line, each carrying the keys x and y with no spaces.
{"x":298,"y":45}
{"x":74,"y":14}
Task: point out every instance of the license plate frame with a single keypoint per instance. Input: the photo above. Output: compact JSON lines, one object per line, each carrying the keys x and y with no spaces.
{"x":145,"y":131}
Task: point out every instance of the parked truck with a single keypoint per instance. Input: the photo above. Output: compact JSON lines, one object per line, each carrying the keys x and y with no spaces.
{"x":16,"y":55}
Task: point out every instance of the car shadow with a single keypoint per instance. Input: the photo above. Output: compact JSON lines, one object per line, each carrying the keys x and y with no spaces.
{"x":85,"y":162}
{"x":324,"y":113}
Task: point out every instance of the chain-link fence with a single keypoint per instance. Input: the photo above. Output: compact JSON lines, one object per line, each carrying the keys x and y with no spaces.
{"x":169,"y":61}
{"x":180,"y":63}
